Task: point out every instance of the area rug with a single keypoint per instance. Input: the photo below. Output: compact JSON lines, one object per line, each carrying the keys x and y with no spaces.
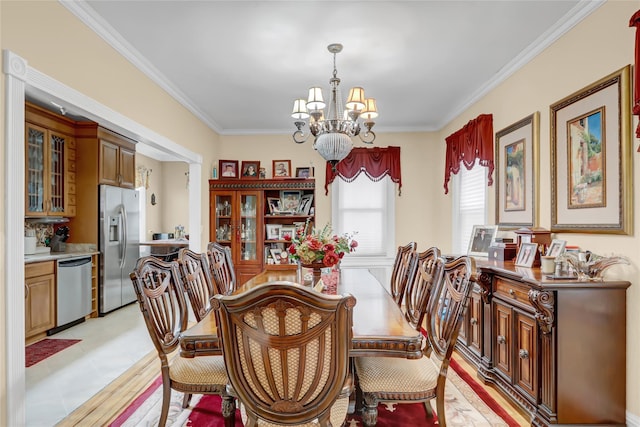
{"x":466,"y":404}
{"x":39,"y":351}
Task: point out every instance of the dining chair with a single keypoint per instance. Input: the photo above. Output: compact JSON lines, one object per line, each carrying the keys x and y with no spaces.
{"x":424,"y":273}
{"x":222,"y":268}
{"x":400,"y":271}
{"x":287,"y":347}
{"x":163,"y":306}
{"x":421,"y":380}
{"x":197,"y":281}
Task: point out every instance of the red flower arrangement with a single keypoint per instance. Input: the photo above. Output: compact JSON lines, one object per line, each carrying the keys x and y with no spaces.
{"x":319,"y":246}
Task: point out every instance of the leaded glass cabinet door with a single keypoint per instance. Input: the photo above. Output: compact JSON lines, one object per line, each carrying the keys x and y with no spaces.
{"x":57,"y":165}
{"x":45,"y":170}
{"x":36,"y":170}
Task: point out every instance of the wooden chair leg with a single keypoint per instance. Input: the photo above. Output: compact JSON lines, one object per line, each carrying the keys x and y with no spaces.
{"x":370,"y":410}
{"x":166,"y":399}
{"x":429,"y":409}
{"x":186,"y":400}
{"x":442,"y":422}
{"x":229,"y":410}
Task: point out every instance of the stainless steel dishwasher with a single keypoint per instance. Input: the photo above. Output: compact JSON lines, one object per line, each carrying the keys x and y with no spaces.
{"x":74,"y":290}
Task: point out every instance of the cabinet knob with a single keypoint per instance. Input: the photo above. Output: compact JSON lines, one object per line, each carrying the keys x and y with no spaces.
{"x":474,"y":321}
{"x":524,"y":354}
{"x":501,"y":339}
{"x":512,"y":292}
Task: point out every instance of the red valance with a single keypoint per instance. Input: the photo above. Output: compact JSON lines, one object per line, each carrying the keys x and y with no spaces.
{"x":376,"y":163}
{"x":473,"y":141}
{"x":635,"y":22}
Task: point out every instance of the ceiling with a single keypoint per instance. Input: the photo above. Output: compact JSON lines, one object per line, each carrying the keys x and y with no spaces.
{"x":238,"y":65}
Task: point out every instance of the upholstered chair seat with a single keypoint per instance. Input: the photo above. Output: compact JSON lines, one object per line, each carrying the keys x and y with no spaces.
{"x":203,"y":370}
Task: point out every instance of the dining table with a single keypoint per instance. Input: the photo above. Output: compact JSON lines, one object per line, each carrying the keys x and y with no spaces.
{"x":379,"y":326}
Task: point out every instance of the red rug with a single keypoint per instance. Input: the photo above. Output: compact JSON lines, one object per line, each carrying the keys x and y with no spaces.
{"x":39,"y":351}
{"x":466,"y":403}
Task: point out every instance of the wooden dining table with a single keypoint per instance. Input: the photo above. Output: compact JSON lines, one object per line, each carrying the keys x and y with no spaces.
{"x":379,"y":326}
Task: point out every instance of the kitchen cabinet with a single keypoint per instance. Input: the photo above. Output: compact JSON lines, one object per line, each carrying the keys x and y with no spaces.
{"x":551,"y":346}
{"x":39,"y":298}
{"x":117,"y":161}
{"x":50,"y":164}
{"x":103,"y":157}
{"x":238,"y":213}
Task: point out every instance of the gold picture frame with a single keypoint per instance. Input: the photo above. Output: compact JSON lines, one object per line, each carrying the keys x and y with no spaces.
{"x":517,"y":155}
{"x":591,"y":158}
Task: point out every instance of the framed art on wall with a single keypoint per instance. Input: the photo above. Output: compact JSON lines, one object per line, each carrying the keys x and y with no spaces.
{"x":591,"y":158}
{"x":517,"y":152}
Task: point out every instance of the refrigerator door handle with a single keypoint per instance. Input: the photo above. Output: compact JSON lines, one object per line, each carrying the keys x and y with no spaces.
{"x":123,"y":236}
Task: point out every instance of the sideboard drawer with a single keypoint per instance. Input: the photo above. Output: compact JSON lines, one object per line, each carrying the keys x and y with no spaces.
{"x":511,"y":291}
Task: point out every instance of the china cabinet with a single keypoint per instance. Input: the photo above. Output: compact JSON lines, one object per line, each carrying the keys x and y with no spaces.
{"x":555,"y":347}
{"x":241,"y":211}
{"x":50,"y":162}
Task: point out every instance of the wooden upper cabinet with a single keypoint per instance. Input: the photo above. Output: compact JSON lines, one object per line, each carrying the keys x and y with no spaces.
{"x":117,"y":160}
{"x":50,"y":164}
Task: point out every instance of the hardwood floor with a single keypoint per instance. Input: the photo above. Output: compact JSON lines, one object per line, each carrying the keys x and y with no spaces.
{"x":105,"y":406}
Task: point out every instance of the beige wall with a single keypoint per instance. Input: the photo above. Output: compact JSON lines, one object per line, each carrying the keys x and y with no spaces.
{"x":598,"y":46}
{"x":153,"y":213}
{"x":422,"y":196}
{"x":175,"y":196}
{"x":80,"y":59}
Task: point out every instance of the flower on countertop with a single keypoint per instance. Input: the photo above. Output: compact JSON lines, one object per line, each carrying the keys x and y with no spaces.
{"x":312,"y":246}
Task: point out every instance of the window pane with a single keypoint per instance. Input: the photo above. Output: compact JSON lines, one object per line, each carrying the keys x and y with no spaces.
{"x":469,"y":205}
{"x":363,"y":207}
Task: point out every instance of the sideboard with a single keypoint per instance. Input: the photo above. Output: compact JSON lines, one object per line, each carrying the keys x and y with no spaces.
{"x":557,"y":348}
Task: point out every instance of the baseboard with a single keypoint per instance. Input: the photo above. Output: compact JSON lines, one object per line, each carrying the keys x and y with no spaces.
{"x":632,"y":420}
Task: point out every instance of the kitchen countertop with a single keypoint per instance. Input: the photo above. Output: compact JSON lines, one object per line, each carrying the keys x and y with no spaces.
{"x":53,"y":256}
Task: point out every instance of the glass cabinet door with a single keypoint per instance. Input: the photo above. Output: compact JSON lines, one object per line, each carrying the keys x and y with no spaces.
{"x":223,"y":219}
{"x":45,"y":171}
{"x":248,"y":227}
{"x":35,"y":159}
{"x":56,"y":173}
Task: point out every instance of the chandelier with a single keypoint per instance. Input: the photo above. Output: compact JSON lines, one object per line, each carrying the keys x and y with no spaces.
{"x":333,"y":130}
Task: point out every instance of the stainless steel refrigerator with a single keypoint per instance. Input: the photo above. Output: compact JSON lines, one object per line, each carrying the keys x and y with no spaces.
{"x":119,"y":245}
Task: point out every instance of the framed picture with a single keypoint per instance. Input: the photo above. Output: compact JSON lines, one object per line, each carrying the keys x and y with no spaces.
{"x":305,"y":204}
{"x":250,"y":169}
{"x":263,"y":173}
{"x":517,"y":152}
{"x":281,"y":168}
{"x":228,"y":169}
{"x":591,"y":158}
{"x":273,"y":231}
{"x":274,"y":205}
{"x":286,"y":231}
{"x":481,"y":238}
{"x":290,"y":200}
{"x":556,"y":247}
{"x":527,"y":254}
{"x":304,"y":172}
{"x":275,"y":254}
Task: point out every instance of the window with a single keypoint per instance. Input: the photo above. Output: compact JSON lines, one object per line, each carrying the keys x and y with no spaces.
{"x":368,"y":208}
{"x":469,"y":205}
